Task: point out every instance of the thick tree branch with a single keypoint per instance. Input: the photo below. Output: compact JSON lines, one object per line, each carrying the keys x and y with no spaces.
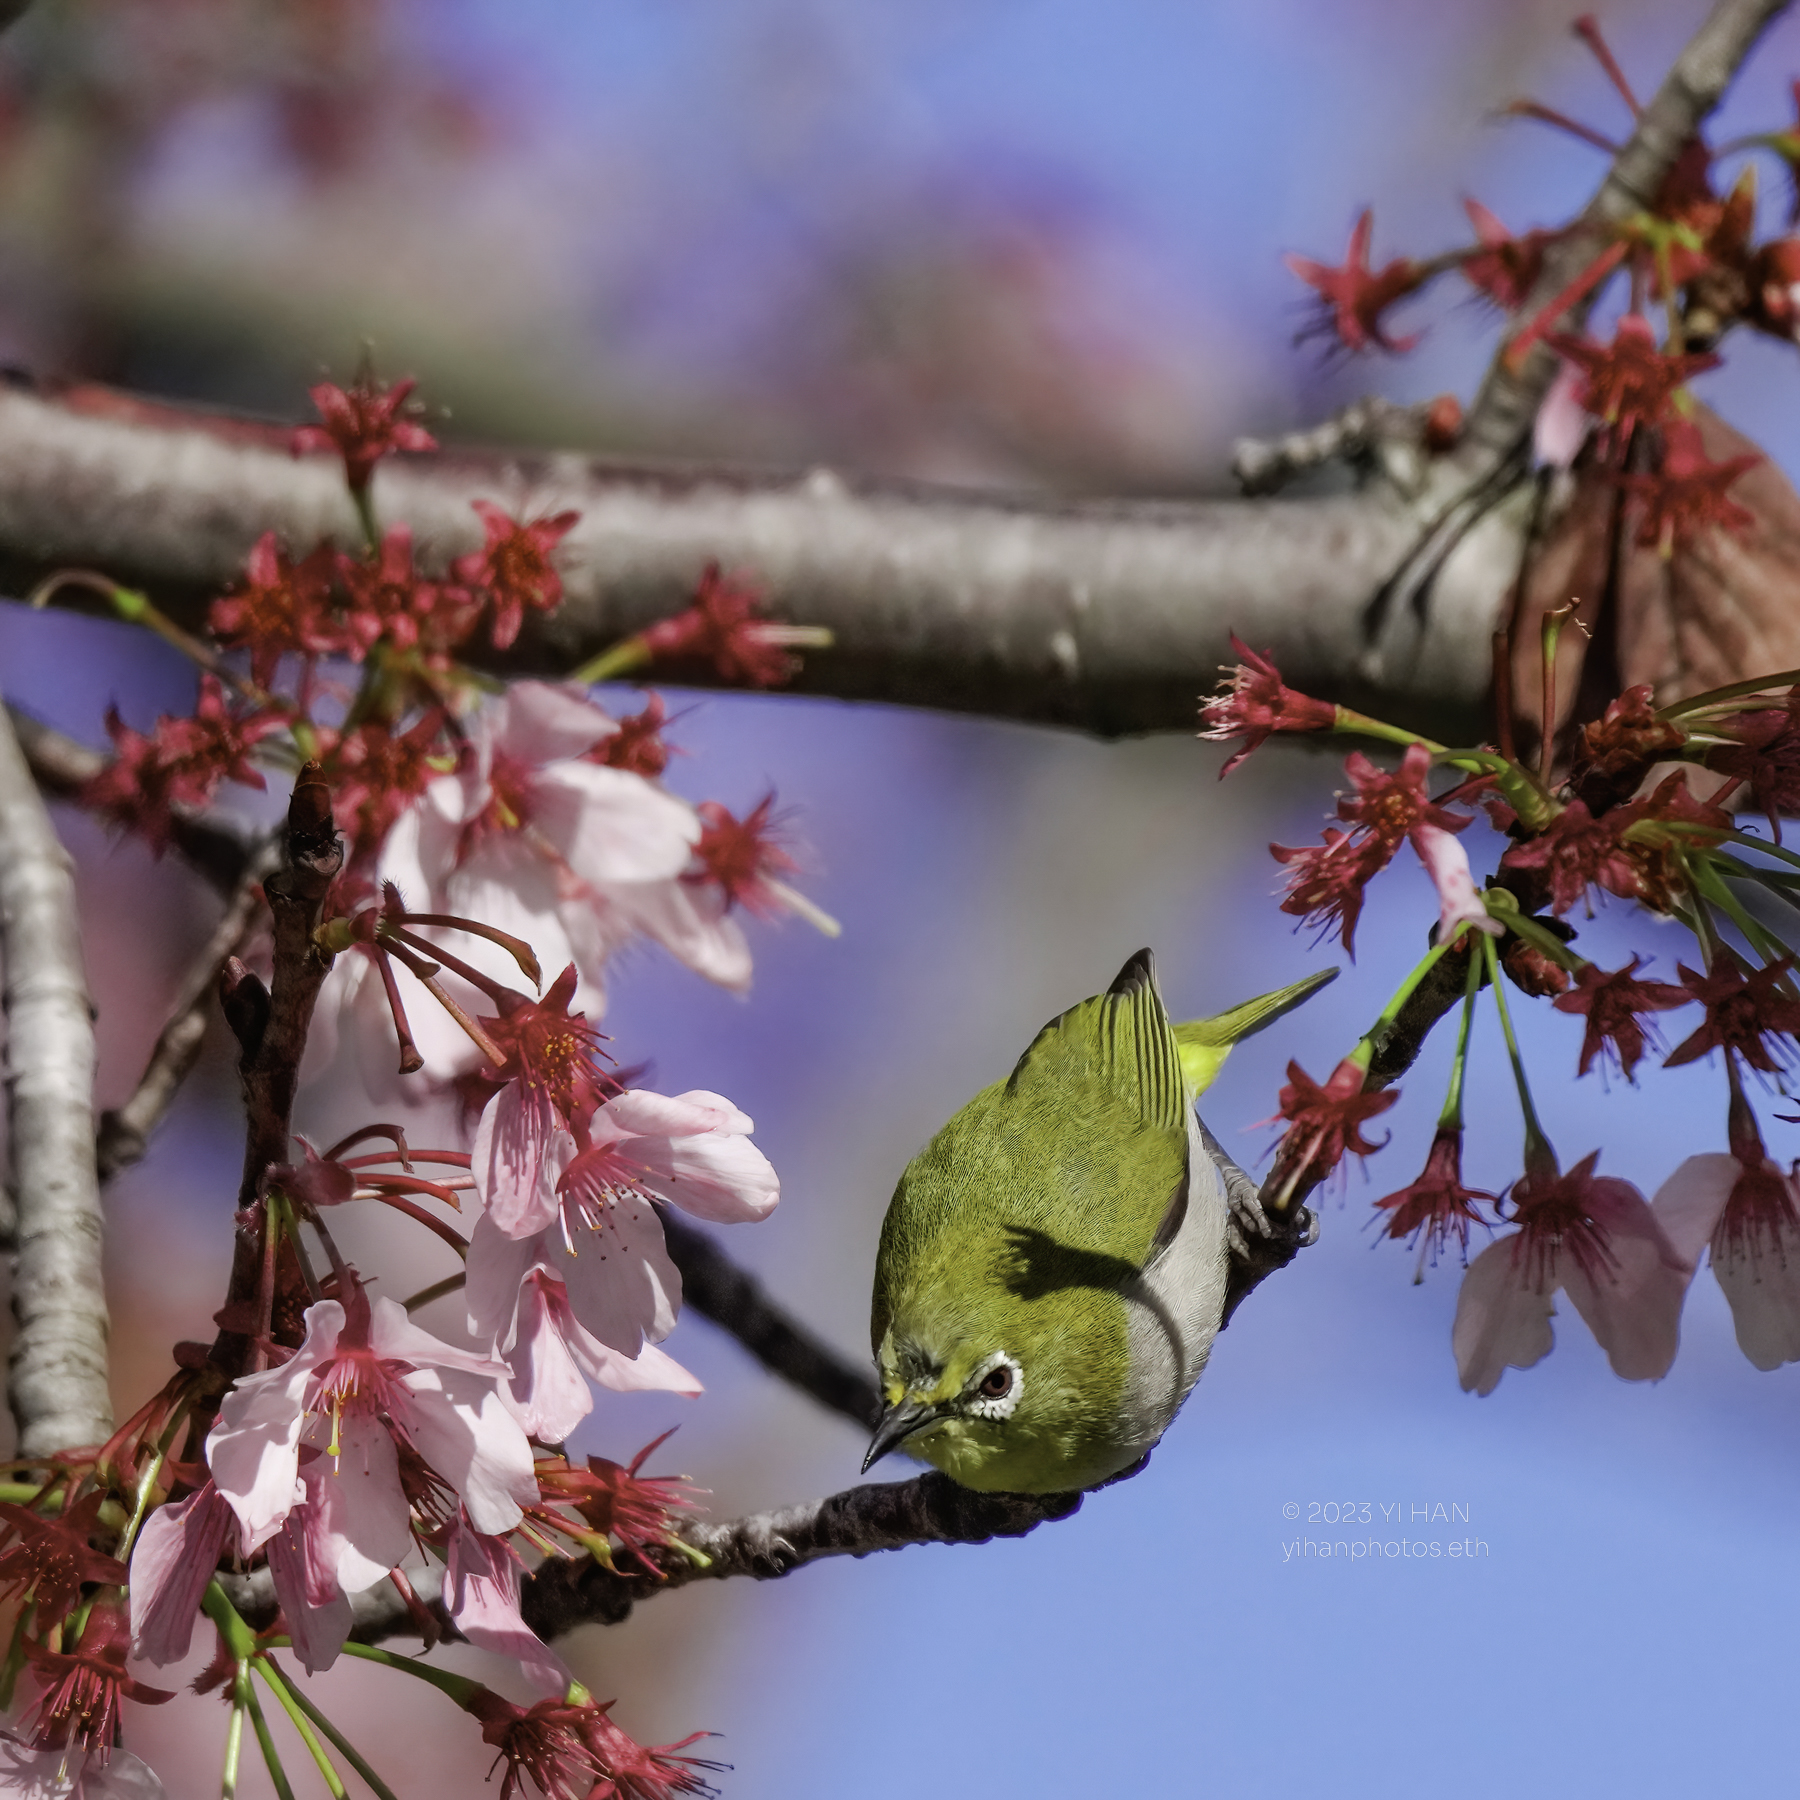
{"x":1109,"y":616}
{"x":57,"y":1384}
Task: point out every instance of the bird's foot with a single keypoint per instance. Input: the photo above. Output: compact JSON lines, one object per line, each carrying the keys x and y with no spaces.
{"x":1258,"y":1240}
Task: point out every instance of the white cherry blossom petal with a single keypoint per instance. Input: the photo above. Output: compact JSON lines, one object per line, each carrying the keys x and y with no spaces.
{"x":1502,"y":1318}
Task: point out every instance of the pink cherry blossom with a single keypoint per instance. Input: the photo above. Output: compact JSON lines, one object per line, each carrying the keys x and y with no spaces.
{"x":174,"y":1558}
{"x":1562,"y":423}
{"x":481,"y":1595}
{"x":1749,"y":1213}
{"x":553,"y":1358}
{"x":1594,"y":1237}
{"x":309,"y":1559}
{"x":1447,"y":863}
{"x":530,"y":837}
{"x":363,"y":1377}
{"x":582,"y":1212}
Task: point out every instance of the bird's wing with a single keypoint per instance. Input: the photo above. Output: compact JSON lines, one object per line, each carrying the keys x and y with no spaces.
{"x":1120,"y":1042}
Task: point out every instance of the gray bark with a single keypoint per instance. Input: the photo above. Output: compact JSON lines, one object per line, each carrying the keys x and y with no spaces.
{"x":57,"y":1386}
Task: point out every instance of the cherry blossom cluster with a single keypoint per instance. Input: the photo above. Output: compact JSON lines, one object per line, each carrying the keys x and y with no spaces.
{"x":1639,"y":805}
{"x":324,"y":1444}
{"x":1644,"y":814}
{"x":1619,"y":413}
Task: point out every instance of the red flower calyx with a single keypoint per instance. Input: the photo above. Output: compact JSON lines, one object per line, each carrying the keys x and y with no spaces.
{"x":1255,"y":702}
{"x":1436,"y":1207}
{"x":725,"y":628}
{"x":362,"y":423}
{"x":1353,"y":296}
{"x":1743,"y":1013}
{"x":1613,"y":1004}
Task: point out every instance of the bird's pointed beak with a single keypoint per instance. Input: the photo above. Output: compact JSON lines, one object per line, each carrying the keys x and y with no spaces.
{"x":899,"y":1422}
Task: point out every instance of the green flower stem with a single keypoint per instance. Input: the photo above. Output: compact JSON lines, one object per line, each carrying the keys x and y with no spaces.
{"x":364,"y":502}
{"x":626,"y":657}
{"x":344,"y":1747}
{"x":138,"y":609}
{"x":1694,"y":703}
{"x":281,"y":1210}
{"x":1363,"y":726}
{"x":459,"y":1687}
{"x":436,"y":1291}
{"x":147,"y":1486}
{"x":240,"y":1640}
{"x":22,"y":1493}
{"x":1707,"y":881}
{"x":284,"y":1789}
{"x":1779,"y":882}
{"x":1366,"y":1045}
{"x":234,"y":1747}
{"x":1745,"y":841}
{"x":1451,"y":1118}
{"x":1537,"y":1145}
{"x":1503,"y":906}
{"x":1477,"y":762}
{"x":298,"y":1720}
{"x":15,"y":1658}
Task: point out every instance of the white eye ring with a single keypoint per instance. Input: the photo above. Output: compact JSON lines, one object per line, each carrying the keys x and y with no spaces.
{"x":1001,"y":1405}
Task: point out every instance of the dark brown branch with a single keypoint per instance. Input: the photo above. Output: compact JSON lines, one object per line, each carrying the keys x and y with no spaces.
{"x":931,"y":1509}
{"x":125,"y":1131}
{"x":714,"y":1286}
{"x":58,"y":1384}
{"x":269,"y":1066}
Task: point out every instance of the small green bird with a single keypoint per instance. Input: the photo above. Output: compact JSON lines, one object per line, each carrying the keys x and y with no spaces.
{"x":1053,"y":1263}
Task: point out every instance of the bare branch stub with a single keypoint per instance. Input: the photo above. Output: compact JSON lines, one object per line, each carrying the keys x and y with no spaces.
{"x":58,"y":1381}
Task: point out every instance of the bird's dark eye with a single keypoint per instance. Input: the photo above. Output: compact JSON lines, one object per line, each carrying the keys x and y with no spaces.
{"x":996,"y":1384}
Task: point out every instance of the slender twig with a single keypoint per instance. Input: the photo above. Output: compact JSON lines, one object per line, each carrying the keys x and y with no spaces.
{"x":717,"y":1288}
{"x":125,"y":1131}
{"x":58,"y":1387}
